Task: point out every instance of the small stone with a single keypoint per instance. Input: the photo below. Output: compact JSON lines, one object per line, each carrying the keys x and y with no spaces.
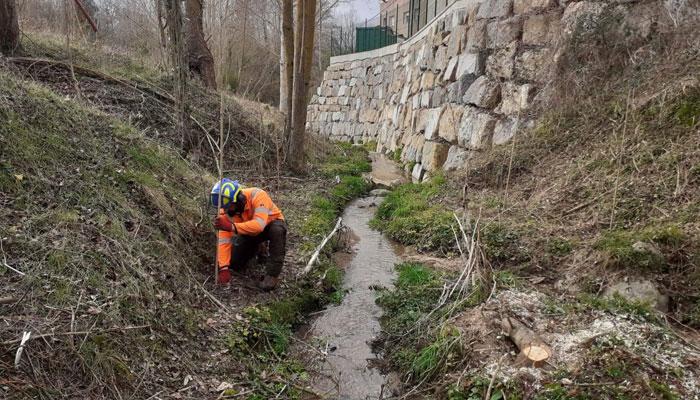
{"x":640,"y":291}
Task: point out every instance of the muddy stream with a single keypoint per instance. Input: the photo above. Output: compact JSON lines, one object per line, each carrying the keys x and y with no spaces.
{"x":345,"y":332}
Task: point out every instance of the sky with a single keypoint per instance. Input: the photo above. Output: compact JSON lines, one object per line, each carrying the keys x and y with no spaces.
{"x":360,"y":8}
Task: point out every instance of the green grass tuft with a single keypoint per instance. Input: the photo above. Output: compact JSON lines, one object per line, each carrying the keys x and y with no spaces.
{"x":408,"y":215}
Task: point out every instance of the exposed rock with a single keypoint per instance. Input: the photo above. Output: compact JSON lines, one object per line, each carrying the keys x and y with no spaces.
{"x":457,"y":41}
{"x":476,"y":129}
{"x":427,"y":80}
{"x":450,"y":74}
{"x":504,"y":130}
{"x":495,"y":9}
{"x":515,"y":98}
{"x":641,"y":291}
{"x":417,"y":173}
{"x":502,"y":33}
{"x":471,"y":64}
{"x":379,"y":192}
{"x":477,"y":37}
{"x":530,"y":6}
{"x":533,"y":65}
{"x":457,"y":159}
{"x":501,"y":62}
{"x":581,"y":18}
{"x":484,"y":93}
{"x":541,"y":29}
{"x":449,"y":122}
{"x":434,"y":155}
{"x":432,"y":123}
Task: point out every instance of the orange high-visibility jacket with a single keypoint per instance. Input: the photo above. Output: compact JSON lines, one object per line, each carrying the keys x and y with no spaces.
{"x":259,"y":211}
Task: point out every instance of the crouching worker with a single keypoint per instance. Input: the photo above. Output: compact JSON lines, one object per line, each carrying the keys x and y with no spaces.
{"x":247,"y":220}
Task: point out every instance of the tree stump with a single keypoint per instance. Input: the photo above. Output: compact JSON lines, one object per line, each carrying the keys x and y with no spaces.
{"x":534,"y":352}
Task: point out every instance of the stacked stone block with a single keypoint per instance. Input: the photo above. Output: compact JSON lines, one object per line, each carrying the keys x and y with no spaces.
{"x":467,"y":82}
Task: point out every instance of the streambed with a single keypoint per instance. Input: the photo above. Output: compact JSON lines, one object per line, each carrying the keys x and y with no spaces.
{"x":345,"y":332}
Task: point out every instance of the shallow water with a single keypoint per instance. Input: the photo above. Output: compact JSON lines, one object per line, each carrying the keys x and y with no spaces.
{"x":349,"y":328}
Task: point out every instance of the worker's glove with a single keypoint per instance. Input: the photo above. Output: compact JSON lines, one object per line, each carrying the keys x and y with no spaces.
{"x":223,"y":223}
{"x":224,"y":276}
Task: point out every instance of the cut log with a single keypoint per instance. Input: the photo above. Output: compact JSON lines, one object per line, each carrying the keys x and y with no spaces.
{"x":534,"y":352}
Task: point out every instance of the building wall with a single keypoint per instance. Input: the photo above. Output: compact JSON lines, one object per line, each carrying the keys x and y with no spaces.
{"x":466,"y":82}
{"x":393,"y":9}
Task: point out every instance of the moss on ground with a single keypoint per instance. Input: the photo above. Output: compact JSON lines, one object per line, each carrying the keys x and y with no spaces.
{"x":413,"y":214}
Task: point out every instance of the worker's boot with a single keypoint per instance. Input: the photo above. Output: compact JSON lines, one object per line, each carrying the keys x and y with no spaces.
{"x":269,"y":283}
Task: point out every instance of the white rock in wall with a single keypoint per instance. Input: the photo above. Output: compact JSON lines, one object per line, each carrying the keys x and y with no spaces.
{"x":502,"y":33}
{"x":541,"y":29}
{"x":417,"y":173}
{"x":470,"y":63}
{"x":484,"y":93}
{"x":432,"y":123}
{"x":457,"y":159}
{"x":495,"y":9}
{"x":515,"y":98}
{"x":450,"y":74}
{"x":501,"y":62}
{"x":477,"y":37}
{"x":434,"y":155}
{"x":425,"y":98}
{"x":504,"y":130}
{"x":533,"y":65}
{"x":476,"y":129}
{"x":450,"y":120}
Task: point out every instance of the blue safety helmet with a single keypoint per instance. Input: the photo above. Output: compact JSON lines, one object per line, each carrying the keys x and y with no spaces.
{"x":228,"y":190}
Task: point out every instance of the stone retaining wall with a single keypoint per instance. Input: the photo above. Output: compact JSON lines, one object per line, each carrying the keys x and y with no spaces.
{"x":466,"y":82}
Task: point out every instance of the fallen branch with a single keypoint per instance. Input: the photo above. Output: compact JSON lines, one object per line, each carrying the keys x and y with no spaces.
{"x":534,"y":351}
{"x":45,"y":335}
{"x":18,"y":356}
{"x":320,"y":247}
{"x":7,"y":300}
{"x":12,"y":269}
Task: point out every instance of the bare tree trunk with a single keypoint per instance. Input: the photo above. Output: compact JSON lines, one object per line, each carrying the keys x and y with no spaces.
{"x":179,"y":63}
{"x":243,"y":41}
{"x":303,"y":58}
{"x":201,"y":61}
{"x":9,"y":28}
{"x":162,"y":30}
{"x":287,"y":64}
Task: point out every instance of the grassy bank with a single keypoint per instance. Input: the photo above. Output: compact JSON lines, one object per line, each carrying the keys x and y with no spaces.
{"x":109,"y":223}
{"x":103,"y":222}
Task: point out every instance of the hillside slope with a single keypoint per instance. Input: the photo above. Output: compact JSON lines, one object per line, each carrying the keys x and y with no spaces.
{"x":108,"y":226}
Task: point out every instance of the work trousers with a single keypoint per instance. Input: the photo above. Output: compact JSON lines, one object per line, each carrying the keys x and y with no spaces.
{"x":246,"y":247}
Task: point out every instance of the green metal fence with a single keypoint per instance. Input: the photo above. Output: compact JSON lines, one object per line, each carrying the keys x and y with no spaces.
{"x":374,"y":37}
